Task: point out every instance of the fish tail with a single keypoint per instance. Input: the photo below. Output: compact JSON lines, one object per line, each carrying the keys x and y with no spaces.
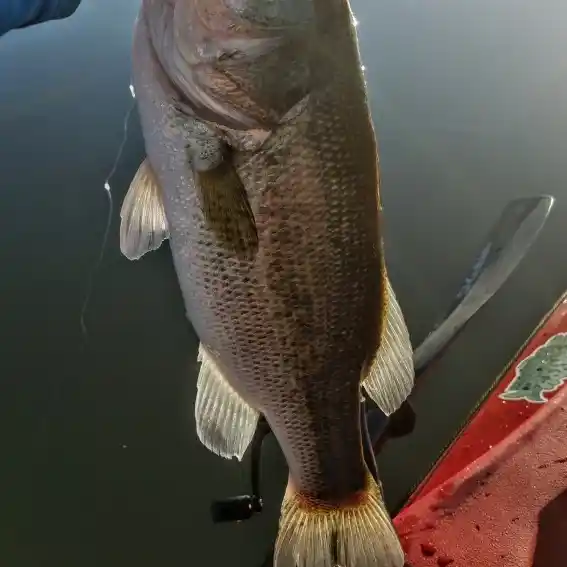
{"x":356,"y":533}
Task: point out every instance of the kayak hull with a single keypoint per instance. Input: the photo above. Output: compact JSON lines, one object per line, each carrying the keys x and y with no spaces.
{"x":498,"y":496}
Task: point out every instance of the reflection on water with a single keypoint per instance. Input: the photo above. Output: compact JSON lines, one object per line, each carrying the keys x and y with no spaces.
{"x":100,"y":460}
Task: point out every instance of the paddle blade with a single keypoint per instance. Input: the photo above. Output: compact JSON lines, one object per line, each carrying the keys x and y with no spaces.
{"x":508,"y":242}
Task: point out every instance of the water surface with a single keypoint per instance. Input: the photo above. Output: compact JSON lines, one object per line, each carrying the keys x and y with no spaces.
{"x":101,"y":465}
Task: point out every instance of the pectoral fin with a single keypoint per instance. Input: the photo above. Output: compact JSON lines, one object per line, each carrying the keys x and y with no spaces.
{"x":225,"y":422}
{"x":144,"y":225}
{"x":391,"y":374}
{"x":226,"y":208}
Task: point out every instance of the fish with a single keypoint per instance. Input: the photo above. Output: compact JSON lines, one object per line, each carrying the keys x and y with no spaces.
{"x":261,"y":170}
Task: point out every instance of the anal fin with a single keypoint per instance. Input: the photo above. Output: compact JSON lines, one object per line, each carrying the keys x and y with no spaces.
{"x":390,"y":378}
{"x":225,"y":422}
{"x":144,"y":225}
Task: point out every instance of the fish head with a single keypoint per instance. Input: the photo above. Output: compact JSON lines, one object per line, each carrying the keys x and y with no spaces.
{"x":232,"y":59}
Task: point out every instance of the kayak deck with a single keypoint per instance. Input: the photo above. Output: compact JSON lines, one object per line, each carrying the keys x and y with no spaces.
{"x":499,"y":494}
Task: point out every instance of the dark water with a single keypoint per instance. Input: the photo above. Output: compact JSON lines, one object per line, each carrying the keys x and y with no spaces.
{"x":100,"y":463}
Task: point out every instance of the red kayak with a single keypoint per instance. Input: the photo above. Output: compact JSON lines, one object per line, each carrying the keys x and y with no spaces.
{"x":498,"y":495}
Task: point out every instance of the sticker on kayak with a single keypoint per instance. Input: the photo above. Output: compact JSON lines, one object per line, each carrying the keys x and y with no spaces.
{"x":543,"y":371}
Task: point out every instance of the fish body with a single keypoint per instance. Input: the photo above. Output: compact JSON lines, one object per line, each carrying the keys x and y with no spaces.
{"x":262,"y":171}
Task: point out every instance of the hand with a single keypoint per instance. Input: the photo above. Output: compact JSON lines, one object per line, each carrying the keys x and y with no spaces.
{"x":16,"y":14}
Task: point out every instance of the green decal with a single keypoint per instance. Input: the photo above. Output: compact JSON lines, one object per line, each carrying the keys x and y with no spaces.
{"x":544,"y":371}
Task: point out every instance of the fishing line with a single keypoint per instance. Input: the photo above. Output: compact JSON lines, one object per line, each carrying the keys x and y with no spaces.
{"x":107,"y":189}
{"x":54,"y":395}
{"x":56,"y":391}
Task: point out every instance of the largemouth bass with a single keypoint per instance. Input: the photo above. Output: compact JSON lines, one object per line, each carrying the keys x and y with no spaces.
{"x":262,"y":171}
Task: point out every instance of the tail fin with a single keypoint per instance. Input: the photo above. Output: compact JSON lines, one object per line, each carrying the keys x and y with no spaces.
{"x":357,"y":534}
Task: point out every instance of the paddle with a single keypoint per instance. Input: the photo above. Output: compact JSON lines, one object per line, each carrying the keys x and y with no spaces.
{"x":508,"y":242}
